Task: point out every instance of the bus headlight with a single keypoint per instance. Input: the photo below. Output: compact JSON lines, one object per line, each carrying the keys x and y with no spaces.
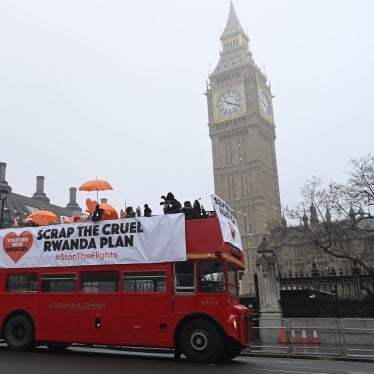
{"x":235,"y":324}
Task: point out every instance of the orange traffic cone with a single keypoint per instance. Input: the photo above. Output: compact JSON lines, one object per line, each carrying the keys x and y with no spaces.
{"x":293,"y":336}
{"x":283,"y":337}
{"x":315,"y":337}
{"x":304,"y":339}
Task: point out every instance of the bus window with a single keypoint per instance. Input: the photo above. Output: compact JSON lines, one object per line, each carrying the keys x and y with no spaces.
{"x":22,"y":282}
{"x":58,"y":282}
{"x":211,"y":276}
{"x":99,"y":281}
{"x":233,"y":280}
{"x":184,"y":278}
{"x":150,"y":281}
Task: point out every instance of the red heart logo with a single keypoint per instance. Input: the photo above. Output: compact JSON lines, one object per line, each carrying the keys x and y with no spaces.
{"x":91,"y":205}
{"x":16,"y":246}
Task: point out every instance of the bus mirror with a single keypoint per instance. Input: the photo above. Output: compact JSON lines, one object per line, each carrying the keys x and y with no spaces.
{"x":240,"y":274}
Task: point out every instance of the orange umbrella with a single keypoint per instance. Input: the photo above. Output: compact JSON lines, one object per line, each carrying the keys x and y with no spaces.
{"x":109,"y":211}
{"x":96,"y":185}
{"x":42,"y":217}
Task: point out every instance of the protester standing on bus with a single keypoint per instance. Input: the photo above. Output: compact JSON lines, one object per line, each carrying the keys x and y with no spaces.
{"x":188,"y":210}
{"x":130,"y":212}
{"x":197,"y":207}
{"x":147,"y":211}
{"x":171,"y":204}
{"x":97,"y":213}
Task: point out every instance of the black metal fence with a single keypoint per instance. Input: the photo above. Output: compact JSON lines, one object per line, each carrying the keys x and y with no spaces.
{"x":330,"y":293}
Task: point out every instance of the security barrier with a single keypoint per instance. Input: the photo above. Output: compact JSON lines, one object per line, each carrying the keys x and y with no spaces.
{"x":324,"y":337}
{"x":358,"y":337}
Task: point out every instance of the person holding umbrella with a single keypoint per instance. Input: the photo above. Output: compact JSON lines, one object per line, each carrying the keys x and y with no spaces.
{"x":97,"y":213}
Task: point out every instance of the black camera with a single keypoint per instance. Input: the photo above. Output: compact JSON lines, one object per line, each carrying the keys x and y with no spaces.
{"x":164,"y":198}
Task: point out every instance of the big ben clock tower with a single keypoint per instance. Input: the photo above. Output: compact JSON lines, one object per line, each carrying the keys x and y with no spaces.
{"x":242,"y":131}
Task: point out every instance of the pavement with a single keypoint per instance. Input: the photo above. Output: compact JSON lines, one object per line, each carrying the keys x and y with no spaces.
{"x":316,"y":351}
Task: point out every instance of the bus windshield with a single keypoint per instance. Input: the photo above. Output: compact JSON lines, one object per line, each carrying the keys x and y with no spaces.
{"x":233,"y":280}
{"x":211,"y":276}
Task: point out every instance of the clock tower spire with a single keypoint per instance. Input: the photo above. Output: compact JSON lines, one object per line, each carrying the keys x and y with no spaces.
{"x":242,"y":131}
{"x":233,"y":29}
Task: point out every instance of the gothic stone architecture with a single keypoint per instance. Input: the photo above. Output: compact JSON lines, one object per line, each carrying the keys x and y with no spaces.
{"x":296,"y":254}
{"x":242,"y":131}
{"x":17,"y":206}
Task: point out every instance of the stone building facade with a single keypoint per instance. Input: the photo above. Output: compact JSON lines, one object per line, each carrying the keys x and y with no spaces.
{"x":297,"y":255}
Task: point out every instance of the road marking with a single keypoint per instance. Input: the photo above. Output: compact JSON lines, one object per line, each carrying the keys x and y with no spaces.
{"x":310,"y":372}
{"x":292,"y":371}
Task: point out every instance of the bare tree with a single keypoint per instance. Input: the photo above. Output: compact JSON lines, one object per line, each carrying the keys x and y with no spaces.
{"x":340,"y":214}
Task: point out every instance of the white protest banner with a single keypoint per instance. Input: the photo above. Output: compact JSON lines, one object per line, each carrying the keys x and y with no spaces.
{"x":121,"y":241}
{"x":228,"y":223}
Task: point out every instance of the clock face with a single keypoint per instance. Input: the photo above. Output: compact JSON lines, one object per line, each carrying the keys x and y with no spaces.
{"x":229,"y":102}
{"x":265,"y":103}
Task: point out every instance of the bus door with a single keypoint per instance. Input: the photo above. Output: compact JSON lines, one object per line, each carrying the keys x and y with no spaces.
{"x":99,"y":310}
{"x":146,"y":308}
{"x":184,"y":298}
{"x":57,"y":308}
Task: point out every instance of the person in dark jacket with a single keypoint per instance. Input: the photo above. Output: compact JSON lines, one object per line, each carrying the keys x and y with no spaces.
{"x":97,"y":213}
{"x":188,"y":210}
{"x":147,"y":211}
{"x":197,"y":207}
{"x":171,"y":204}
{"x":130,"y":212}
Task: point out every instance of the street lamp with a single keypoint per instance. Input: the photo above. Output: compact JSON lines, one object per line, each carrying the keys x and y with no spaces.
{"x":3,"y":196}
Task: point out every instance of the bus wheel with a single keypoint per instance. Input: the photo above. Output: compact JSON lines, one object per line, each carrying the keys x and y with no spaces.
{"x":201,"y":341}
{"x":19,"y":333}
{"x":232,"y":350}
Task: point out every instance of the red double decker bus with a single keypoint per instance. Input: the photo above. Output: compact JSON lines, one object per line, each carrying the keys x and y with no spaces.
{"x":177,"y":287}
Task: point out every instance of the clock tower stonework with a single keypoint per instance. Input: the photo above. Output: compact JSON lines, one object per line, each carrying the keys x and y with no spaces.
{"x":242,"y":131}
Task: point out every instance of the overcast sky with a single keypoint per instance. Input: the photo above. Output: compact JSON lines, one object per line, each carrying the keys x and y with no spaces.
{"x":115,"y":90}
